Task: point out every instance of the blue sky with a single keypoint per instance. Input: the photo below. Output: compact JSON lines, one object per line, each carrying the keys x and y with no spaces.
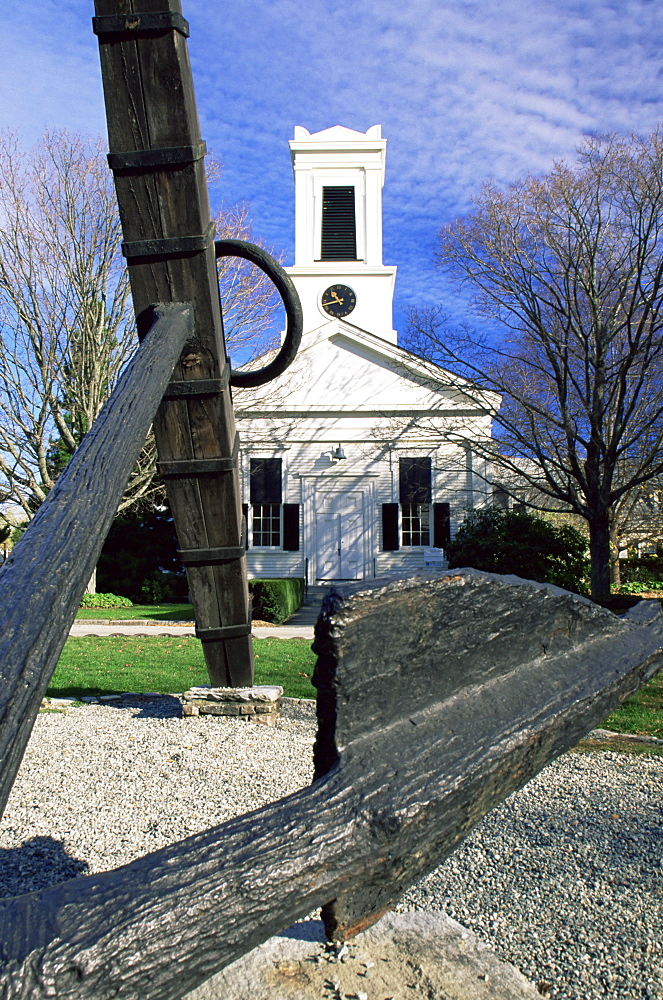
{"x":464,"y":90}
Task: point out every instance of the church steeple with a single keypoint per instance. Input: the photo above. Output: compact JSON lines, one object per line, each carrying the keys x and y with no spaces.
{"x":338,"y":270}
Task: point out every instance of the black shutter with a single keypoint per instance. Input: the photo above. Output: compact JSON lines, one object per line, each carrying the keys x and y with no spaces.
{"x":245,"y":525}
{"x":441,"y":525}
{"x":339,"y":237}
{"x":389,"y":527}
{"x":265,"y":480}
{"x":414,"y":479}
{"x":291,"y":527}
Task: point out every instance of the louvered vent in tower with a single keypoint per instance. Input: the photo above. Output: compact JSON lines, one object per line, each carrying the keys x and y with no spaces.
{"x":339,"y":236}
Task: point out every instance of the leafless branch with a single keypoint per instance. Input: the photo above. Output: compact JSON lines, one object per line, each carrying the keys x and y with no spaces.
{"x":570,"y":267}
{"x":67,"y":327}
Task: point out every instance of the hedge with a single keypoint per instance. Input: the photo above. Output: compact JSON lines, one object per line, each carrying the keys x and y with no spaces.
{"x":275,"y":600}
{"x":105,"y":601}
{"x":646,"y":570}
{"x":509,"y":541}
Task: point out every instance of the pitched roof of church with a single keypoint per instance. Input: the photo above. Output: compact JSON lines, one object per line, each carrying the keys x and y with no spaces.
{"x":341,"y":367}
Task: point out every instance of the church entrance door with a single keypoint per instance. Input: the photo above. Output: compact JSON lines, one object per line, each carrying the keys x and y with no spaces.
{"x":340,"y":536}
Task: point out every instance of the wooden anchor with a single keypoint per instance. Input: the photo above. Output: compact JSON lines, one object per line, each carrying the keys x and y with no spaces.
{"x":437,"y":696}
{"x":157,"y":158}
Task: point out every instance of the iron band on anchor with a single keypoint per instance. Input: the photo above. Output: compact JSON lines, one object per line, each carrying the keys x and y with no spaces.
{"x":224,"y":632}
{"x":171,"y":246}
{"x":148,"y":159}
{"x":213,"y":556}
{"x":191,"y":468}
{"x":196,"y":388}
{"x":140,"y":23}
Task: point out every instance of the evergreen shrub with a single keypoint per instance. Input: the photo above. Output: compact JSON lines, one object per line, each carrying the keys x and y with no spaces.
{"x":509,"y":541}
{"x":139,"y":559}
{"x":645,"y":573}
{"x":105,"y":601}
{"x":275,"y":600}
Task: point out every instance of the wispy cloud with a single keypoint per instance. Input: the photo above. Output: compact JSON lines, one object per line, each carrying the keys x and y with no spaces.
{"x":464,"y":90}
{"x":49,"y":69}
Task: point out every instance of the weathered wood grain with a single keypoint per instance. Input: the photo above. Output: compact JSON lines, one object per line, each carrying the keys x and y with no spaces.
{"x":42,"y":582}
{"x":437,"y":698}
{"x":512,"y":663}
{"x":150,"y":105}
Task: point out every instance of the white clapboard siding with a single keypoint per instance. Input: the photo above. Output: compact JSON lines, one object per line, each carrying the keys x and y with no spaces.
{"x":348,"y":387}
{"x":268,"y":564}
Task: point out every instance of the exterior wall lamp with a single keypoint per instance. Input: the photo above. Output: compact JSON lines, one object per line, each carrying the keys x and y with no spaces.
{"x":337,"y":454}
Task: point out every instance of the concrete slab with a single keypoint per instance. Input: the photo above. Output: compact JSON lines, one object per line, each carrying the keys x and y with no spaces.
{"x":118,"y":628}
{"x":402,"y":957}
{"x":283,"y":632}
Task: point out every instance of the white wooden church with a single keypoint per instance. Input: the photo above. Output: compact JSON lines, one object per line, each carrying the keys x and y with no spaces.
{"x":349,"y":468}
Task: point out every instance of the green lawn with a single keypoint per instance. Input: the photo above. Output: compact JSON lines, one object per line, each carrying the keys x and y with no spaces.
{"x":90,"y":665}
{"x":642,"y":713}
{"x":159,"y":612}
{"x":167,"y":664}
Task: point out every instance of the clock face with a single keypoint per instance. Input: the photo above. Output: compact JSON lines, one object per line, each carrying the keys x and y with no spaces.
{"x":338,"y":300}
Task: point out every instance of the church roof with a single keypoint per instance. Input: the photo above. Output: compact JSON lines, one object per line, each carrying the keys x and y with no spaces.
{"x":341,"y":368}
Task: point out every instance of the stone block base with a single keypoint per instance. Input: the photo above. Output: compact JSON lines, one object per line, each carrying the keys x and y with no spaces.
{"x":413,"y":955}
{"x":259,"y":703}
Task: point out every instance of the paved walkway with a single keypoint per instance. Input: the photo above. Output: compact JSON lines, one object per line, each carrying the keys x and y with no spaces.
{"x":105,"y":628}
{"x":299,"y":626}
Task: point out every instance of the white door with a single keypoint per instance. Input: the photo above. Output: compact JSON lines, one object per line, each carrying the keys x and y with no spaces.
{"x":339,"y":536}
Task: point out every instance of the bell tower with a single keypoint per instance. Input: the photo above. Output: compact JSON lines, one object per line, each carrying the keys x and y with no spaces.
{"x":338,"y":269}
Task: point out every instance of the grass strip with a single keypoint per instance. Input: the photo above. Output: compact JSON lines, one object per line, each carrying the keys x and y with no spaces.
{"x":642,"y":713}
{"x":90,"y":665}
{"x":616,"y":745}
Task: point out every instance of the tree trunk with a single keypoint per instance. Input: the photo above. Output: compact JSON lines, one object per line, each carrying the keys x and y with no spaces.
{"x":599,"y":554}
{"x":615,"y":572}
{"x":92,"y":583}
{"x":615,"y":548}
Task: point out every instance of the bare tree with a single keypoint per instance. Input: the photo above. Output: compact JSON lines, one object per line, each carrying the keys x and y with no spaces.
{"x":250,"y":301}
{"x":66,"y":323}
{"x":66,"y":329}
{"x":570,"y":266}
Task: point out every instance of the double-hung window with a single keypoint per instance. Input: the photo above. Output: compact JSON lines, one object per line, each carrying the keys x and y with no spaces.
{"x":415,"y":522}
{"x":414,"y":480}
{"x":265,"y":496}
{"x":274,"y":524}
{"x":267,"y":525}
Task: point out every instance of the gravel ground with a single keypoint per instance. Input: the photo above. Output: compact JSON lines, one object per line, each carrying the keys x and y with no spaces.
{"x":565,"y":880}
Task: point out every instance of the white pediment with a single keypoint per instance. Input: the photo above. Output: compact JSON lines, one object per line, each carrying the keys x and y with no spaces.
{"x":340,"y":369}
